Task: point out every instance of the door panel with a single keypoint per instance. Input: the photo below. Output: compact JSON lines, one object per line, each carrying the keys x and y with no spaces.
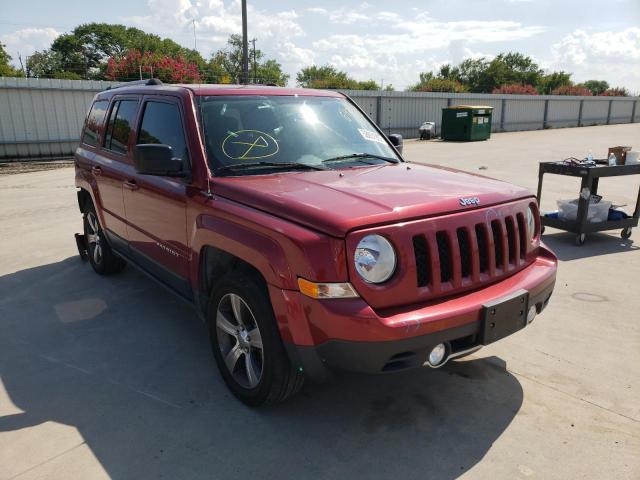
{"x":155,"y":206}
{"x":156,"y":217}
{"x":112,"y":163}
{"x":109,"y":175}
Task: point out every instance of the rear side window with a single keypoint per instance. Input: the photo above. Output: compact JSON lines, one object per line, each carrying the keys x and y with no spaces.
{"x":91,"y":132}
{"x":121,"y":120}
{"x":161,"y":123}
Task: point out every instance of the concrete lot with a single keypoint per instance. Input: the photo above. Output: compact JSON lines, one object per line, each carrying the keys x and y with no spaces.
{"x":113,"y":377}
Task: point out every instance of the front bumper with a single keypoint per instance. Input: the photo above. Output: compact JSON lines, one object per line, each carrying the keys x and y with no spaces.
{"x":347,"y":334}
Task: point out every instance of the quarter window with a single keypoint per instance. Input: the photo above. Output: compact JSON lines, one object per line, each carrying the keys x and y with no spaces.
{"x":91,"y":132}
{"x":161,"y":123}
{"x":121,"y":120}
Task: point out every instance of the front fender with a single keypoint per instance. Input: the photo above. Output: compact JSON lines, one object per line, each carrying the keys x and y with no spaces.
{"x":280,"y":250}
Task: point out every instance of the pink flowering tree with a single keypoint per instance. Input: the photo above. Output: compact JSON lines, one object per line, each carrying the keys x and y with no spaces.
{"x":134,"y":64}
{"x":578,"y":90}
{"x":516,"y":89}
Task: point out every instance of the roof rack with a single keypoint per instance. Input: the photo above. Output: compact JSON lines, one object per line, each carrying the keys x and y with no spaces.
{"x":149,"y":81}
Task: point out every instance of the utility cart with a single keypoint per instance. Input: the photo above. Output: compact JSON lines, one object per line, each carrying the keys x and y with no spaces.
{"x":590,"y":175}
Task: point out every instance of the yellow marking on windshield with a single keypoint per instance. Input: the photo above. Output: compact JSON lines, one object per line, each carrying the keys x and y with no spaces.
{"x":245,"y":145}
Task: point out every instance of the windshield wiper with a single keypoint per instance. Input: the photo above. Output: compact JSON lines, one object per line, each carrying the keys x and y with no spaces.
{"x":360,"y":156}
{"x":272,"y":165}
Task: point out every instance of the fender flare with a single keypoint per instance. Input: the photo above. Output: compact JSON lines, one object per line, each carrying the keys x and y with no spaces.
{"x":256,"y":249}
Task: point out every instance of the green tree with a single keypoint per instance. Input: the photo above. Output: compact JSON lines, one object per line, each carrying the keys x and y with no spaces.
{"x":470,"y":72}
{"x":365,"y":85}
{"x":270,"y":71}
{"x":327,"y":76}
{"x":508,"y":69}
{"x":449,"y":72}
{"x":49,"y":64}
{"x":551,"y":81}
{"x":439,"y":85}
{"x":226,"y":64}
{"x":597,"y":87}
{"x":6,"y":70}
{"x":87,"y":48}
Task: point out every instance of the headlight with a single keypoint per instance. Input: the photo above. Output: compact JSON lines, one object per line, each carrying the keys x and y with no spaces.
{"x":375,"y":259}
{"x":531,"y":223}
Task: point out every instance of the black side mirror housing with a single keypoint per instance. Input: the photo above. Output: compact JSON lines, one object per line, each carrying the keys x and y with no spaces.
{"x":157,"y":159}
{"x":396,"y":141}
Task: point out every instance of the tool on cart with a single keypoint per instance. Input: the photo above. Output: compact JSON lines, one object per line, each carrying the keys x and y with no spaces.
{"x":589,"y":213}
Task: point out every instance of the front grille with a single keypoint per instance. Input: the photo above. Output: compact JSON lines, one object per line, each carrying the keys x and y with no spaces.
{"x":477,"y":253}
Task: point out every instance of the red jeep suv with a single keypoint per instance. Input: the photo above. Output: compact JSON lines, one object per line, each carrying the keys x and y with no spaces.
{"x":300,"y":235}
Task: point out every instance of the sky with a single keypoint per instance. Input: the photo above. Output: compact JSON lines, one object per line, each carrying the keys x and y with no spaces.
{"x":389,"y":42}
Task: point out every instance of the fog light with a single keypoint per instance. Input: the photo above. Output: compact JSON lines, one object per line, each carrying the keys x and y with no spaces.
{"x":531,"y":314}
{"x":437,"y":355}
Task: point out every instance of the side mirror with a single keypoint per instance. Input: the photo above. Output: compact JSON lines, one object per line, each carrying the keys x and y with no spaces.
{"x":396,"y":141}
{"x":157,"y":159}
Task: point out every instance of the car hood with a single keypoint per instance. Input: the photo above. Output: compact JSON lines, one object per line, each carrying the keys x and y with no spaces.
{"x":338,"y":201}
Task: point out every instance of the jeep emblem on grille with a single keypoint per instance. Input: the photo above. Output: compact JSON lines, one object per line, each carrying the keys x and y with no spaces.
{"x":469,"y":201}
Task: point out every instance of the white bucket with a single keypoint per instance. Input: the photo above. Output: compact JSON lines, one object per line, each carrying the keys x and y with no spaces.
{"x":632,"y":158}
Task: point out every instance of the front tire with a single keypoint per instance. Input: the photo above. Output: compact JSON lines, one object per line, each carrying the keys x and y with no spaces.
{"x":246,"y":342}
{"x":101,"y":257}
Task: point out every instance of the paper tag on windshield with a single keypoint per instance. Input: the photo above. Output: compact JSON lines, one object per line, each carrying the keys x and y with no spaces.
{"x":371,"y":136}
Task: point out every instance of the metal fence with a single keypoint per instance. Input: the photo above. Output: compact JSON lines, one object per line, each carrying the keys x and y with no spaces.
{"x":403,"y":112}
{"x":42,"y":118}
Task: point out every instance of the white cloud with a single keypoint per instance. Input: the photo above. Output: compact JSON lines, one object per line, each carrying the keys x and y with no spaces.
{"x":317,"y":10}
{"x":581,"y":46}
{"x":28,"y":40}
{"x":215,"y":21}
{"x":612,"y":56}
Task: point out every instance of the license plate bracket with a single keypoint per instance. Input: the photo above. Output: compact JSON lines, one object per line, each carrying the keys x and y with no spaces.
{"x":504,"y":316}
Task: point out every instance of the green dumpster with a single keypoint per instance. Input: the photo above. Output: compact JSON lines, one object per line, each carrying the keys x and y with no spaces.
{"x":466,"y":122}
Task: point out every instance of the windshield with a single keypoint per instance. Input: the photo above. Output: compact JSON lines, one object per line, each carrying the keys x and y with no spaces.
{"x":291,"y":132}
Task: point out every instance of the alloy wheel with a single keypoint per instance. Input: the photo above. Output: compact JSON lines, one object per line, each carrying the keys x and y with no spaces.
{"x":239,"y":340}
{"x":93,"y":238}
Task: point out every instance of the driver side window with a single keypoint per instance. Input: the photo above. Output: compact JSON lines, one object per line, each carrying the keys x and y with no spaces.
{"x":162,"y":124}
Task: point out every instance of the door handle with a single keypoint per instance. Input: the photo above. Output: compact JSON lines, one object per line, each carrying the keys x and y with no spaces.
{"x":131,"y":185}
{"x":96,"y":170}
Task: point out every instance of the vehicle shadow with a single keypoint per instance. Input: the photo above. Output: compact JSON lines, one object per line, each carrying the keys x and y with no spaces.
{"x":596,"y":244}
{"x":130,"y":368}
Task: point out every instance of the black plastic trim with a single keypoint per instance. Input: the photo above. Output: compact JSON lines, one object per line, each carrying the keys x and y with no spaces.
{"x":153,"y":269}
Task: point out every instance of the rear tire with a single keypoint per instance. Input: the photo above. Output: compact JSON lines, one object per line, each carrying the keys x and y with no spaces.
{"x":101,"y":257}
{"x":246,"y":342}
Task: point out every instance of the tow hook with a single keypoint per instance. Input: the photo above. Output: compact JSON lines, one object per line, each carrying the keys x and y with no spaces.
{"x":81,"y":243}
